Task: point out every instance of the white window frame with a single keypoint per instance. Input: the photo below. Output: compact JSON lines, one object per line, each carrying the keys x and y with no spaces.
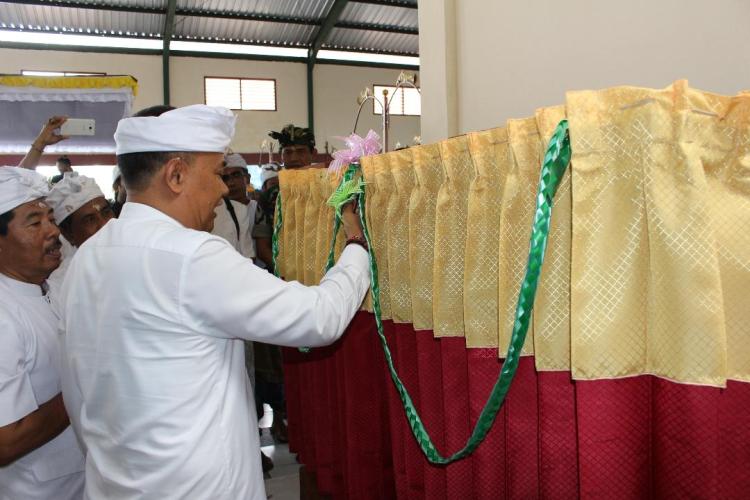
{"x":240,"y":79}
{"x":392,"y":108}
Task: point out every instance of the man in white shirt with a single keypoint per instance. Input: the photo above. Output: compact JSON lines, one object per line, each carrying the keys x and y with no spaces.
{"x":235,"y":216}
{"x":155,"y":381}
{"x":39,"y":455}
{"x":80,"y":210}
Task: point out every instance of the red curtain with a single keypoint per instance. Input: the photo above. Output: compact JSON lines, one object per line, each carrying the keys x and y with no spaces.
{"x":633,"y":438}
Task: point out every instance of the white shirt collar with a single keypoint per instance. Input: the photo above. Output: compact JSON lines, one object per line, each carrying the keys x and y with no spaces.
{"x":132,"y":210}
{"x":21,"y":287}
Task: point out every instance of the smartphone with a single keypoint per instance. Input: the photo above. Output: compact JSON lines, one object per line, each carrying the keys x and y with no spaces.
{"x":78,"y":126}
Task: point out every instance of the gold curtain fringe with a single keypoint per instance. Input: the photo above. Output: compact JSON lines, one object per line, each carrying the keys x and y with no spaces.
{"x":648,"y":259}
{"x":71,"y":82}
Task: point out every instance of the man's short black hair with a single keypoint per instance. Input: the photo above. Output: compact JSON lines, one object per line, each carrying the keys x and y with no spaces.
{"x":137,"y":169}
{"x":4,"y":221}
{"x":157,"y":110}
{"x":64,"y":160}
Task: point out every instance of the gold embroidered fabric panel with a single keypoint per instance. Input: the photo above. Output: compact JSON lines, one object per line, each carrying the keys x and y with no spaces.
{"x":324,"y":218}
{"x":552,"y":305}
{"x":646,"y":288}
{"x":379,"y":184}
{"x":400,"y":165}
{"x":428,"y":168}
{"x":450,"y":238}
{"x":310,"y":224}
{"x":300,"y":202}
{"x":647,"y":267}
{"x":287,"y":238}
{"x":491,"y":160}
{"x":519,"y":203}
{"x":717,"y":130}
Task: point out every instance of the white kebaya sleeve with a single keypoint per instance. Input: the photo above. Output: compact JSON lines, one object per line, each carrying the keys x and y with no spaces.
{"x":17,"y":398}
{"x":225,"y":295}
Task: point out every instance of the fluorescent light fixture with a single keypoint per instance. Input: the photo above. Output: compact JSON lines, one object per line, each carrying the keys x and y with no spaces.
{"x":65,"y":39}
{"x":42,"y":73}
{"x":42,"y":38}
{"x":342,"y":55}
{"x":231,"y":48}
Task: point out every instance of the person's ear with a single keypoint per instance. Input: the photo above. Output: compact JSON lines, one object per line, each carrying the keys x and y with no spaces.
{"x":175,"y":174}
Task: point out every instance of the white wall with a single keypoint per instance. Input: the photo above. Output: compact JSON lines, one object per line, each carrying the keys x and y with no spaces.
{"x":439,"y":69}
{"x":336,"y":90}
{"x":186,"y":83}
{"x":518,"y":55}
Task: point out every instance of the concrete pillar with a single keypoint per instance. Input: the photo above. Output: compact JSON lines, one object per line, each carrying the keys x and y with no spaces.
{"x":438,"y":69}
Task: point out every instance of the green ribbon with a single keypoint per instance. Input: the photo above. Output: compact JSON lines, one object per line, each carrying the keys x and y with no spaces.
{"x":555,"y":163}
{"x":349,"y":174}
{"x":275,"y":237}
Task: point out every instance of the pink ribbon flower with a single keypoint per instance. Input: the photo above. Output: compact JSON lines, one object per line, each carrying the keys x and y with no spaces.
{"x":357,"y":148}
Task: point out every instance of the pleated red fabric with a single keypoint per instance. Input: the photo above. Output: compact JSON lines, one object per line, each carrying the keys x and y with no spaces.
{"x":430,"y":369}
{"x":633,"y":438}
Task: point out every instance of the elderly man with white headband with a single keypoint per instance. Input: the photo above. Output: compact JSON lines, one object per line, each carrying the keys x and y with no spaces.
{"x":39,"y":454}
{"x":80,"y":210}
{"x":155,"y":382}
{"x":235,"y":216}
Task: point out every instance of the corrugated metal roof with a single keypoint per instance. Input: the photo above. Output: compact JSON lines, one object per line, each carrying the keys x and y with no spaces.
{"x":306,"y":9}
{"x":31,"y":17}
{"x":243,"y":31}
{"x":146,"y":4}
{"x":215,"y":26}
{"x":377,"y":14}
{"x":373,"y":41}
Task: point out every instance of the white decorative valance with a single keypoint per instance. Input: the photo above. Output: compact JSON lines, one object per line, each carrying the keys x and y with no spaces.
{"x":27,"y":102}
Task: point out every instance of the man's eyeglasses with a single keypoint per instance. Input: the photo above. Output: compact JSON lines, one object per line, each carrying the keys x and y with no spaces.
{"x":234,"y":175}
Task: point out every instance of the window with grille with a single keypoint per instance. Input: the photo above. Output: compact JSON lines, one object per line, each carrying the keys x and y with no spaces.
{"x":34,"y":72}
{"x":406,"y":102}
{"x":249,"y":94}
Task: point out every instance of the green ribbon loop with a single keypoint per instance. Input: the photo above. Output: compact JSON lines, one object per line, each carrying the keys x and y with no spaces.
{"x":555,"y":163}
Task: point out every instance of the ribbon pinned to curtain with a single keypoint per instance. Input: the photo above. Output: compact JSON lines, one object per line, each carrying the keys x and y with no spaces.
{"x":555,"y":163}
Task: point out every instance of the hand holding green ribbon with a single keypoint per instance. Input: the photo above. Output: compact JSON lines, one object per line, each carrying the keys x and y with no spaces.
{"x":555,"y":163}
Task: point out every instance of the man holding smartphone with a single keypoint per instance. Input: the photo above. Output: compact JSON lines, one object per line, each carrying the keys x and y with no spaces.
{"x":47,"y":136}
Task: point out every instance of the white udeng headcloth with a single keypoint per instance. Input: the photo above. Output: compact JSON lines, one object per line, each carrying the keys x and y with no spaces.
{"x":19,"y":186}
{"x":71,"y":193}
{"x":196,"y":128}
{"x":235,"y":160}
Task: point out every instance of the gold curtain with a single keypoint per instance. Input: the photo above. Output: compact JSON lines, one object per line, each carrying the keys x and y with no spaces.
{"x":552,"y":305}
{"x":397,"y":218}
{"x":491,"y":159}
{"x":375,"y":170}
{"x":720,"y":128}
{"x":310,"y":224}
{"x":287,"y":179}
{"x":519,"y":202}
{"x":429,"y":176}
{"x":300,"y":203}
{"x":450,"y":238}
{"x":647,"y":265}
